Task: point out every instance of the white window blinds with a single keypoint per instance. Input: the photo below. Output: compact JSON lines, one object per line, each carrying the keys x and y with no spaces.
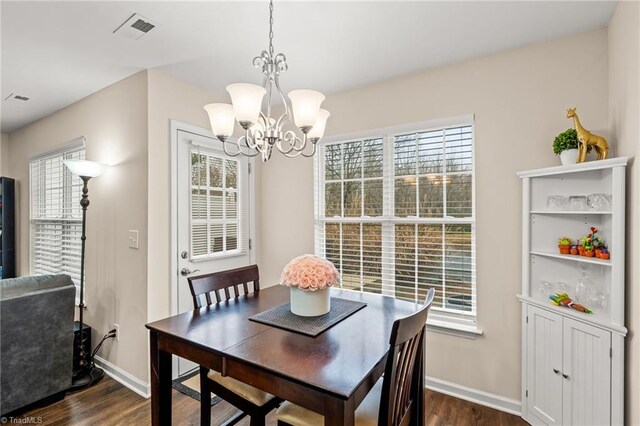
{"x":56,"y":216}
{"x":217,"y":214}
{"x":395,"y":214}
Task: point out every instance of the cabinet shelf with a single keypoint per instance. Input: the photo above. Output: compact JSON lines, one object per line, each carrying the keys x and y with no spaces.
{"x":597,"y":319}
{"x":579,"y":213}
{"x":572,"y":258}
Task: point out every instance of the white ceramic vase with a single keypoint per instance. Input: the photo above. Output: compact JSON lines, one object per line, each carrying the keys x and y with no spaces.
{"x":569,"y":156}
{"x":310,"y":303}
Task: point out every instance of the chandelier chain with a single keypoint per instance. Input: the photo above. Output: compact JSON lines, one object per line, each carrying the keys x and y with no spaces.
{"x":271,"y":27}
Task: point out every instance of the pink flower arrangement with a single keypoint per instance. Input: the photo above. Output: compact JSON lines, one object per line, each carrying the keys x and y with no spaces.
{"x":310,"y":273}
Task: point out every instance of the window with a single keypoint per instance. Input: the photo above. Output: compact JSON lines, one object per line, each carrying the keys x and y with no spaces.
{"x":395,"y":214}
{"x":215,"y":205}
{"x":56,"y":215}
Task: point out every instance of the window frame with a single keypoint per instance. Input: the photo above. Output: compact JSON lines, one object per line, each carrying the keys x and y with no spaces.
{"x":78,"y":144}
{"x":440,"y":318}
{"x":241,"y":249}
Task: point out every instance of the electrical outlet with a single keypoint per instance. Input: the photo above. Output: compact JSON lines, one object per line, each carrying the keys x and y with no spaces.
{"x":117,"y":327}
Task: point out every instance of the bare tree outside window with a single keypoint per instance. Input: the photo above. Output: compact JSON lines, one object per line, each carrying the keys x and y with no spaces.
{"x":403,"y":226}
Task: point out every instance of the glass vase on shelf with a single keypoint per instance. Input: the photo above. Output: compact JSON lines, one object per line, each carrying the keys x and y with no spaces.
{"x":585,"y":288}
{"x":546,"y":289}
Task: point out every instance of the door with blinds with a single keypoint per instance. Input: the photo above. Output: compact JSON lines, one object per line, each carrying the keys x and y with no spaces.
{"x":213,"y":214}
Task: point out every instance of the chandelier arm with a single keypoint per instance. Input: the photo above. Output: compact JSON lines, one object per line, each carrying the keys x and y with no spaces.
{"x":300,"y":153}
{"x":303,"y":143}
{"x":240,"y":151}
{"x":291,"y":138}
{"x":276,"y":80}
{"x":263,"y":121}
{"x":248,"y":140}
{"x":313,"y":152}
{"x":224,"y":148}
{"x":282,"y":120}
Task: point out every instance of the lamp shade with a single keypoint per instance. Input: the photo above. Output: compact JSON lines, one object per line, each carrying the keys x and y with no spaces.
{"x":85,"y":168}
{"x":247,"y":100}
{"x":317,"y":131}
{"x":221,"y":118}
{"x":305,"y":105}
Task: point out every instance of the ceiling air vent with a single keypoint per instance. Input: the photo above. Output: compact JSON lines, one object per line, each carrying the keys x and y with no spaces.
{"x":135,"y":27}
{"x":17,"y":97}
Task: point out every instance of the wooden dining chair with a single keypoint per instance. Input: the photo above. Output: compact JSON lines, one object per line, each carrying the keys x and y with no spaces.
{"x":391,"y":401}
{"x":249,"y":400}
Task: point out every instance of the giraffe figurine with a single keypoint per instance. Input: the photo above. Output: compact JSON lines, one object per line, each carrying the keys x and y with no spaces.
{"x":586,"y":139}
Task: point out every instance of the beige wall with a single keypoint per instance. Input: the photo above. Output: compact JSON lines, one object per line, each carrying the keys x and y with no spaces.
{"x":169,"y":99}
{"x":114,"y":122}
{"x":4,"y":145}
{"x":624,"y":122}
{"x":519,"y":100}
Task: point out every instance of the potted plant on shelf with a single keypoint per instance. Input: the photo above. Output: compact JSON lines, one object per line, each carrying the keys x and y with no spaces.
{"x":587,"y":245}
{"x":566,"y":145}
{"x":564,"y":245}
{"x":310,"y":278}
{"x":601,"y":249}
{"x":574,"y":249}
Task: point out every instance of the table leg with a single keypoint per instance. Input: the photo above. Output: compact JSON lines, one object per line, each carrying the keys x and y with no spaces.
{"x":339,"y":412}
{"x":160,"y":383}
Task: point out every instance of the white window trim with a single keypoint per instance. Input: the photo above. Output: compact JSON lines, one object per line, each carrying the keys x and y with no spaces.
{"x":452,"y":323}
{"x":74,"y":144}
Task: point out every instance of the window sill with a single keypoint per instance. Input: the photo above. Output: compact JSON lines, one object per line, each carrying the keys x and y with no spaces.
{"x":458,"y":330}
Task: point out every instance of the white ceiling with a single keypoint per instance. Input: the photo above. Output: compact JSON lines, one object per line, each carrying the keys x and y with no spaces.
{"x":59,"y":52}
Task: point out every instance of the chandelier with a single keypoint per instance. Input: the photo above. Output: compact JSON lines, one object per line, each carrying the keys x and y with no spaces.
{"x":262,"y":132}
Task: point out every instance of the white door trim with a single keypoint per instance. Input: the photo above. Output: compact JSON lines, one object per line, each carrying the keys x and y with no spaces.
{"x":177,"y":126}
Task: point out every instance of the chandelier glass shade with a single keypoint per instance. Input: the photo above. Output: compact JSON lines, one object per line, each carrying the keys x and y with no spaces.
{"x":262,"y":131}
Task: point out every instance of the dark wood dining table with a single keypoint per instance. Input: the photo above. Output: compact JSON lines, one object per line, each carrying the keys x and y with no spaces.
{"x":329,"y":374}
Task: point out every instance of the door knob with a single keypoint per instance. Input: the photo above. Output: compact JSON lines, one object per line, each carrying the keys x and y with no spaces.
{"x":186,"y":271}
{"x":555,"y":370}
{"x":566,"y":376}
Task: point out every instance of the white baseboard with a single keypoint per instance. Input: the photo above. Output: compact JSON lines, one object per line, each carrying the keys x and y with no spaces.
{"x":508,"y":405}
{"x":119,"y":375}
{"x":487,"y":399}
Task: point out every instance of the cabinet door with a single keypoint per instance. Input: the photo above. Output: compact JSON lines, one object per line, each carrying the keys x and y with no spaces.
{"x":586,"y":390}
{"x":544,"y":366}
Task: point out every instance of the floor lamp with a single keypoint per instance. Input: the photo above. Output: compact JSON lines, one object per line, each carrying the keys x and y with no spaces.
{"x":87,"y":373}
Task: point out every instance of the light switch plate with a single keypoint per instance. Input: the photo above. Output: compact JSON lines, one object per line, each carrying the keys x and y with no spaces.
{"x":133,"y":239}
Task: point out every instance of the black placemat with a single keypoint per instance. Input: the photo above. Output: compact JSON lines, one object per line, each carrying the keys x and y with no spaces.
{"x":282,"y":317}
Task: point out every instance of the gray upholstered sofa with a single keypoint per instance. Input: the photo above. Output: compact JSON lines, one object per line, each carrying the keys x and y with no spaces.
{"x":36,"y":339}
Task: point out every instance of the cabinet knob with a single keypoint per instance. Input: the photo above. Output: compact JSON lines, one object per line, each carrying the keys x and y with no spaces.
{"x":555,"y":370}
{"x":566,"y":376}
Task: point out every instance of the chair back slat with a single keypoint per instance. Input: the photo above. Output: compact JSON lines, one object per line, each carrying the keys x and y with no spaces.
{"x":403,"y":367}
{"x":219,"y":282}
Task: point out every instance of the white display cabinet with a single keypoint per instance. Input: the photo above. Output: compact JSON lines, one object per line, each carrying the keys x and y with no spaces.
{"x":572,"y":362}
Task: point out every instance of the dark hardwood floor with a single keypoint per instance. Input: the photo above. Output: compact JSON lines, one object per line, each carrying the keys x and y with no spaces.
{"x":109,"y":403}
